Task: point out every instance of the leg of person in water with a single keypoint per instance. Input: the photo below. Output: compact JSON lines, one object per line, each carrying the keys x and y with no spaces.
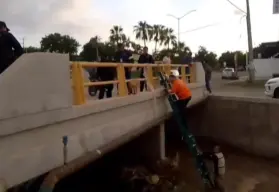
{"x":219,"y":183}
{"x":102,"y":90}
{"x":109,"y":90}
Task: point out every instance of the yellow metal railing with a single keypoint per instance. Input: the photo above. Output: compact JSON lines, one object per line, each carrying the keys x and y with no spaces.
{"x":79,"y":83}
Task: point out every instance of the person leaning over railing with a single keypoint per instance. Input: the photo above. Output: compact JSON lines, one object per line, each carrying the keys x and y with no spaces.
{"x":144,"y":58}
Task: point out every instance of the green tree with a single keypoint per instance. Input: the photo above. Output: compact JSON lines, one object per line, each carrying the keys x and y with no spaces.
{"x":157,"y":32}
{"x":203,"y":55}
{"x":169,"y":37}
{"x":229,"y":58}
{"x":31,"y":49}
{"x":59,"y":44}
{"x":117,"y":35}
{"x":143,"y":31}
{"x":94,"y":49}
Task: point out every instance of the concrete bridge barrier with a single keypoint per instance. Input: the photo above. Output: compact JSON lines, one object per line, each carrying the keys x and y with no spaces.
{"x":248,"y":123}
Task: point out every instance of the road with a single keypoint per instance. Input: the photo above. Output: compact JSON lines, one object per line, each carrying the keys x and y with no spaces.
{"x":222,"y":87}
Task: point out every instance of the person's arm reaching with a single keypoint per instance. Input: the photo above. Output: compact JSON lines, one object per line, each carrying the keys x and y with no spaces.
{"x":18,"y":50}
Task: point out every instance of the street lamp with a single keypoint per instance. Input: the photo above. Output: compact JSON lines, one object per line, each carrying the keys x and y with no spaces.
{"x":178,"y":23}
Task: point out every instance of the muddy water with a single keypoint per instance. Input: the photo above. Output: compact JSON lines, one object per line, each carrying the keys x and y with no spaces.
{"x":245,"y":173}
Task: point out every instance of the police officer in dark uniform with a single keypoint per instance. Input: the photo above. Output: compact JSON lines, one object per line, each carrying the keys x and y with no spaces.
{"x":144,"y":58}
{"x":10,"y":48}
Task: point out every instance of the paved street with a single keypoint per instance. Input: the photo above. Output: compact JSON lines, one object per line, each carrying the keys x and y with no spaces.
{"x":222,"y":87}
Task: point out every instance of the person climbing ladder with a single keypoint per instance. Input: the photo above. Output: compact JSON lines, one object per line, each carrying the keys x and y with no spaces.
{"x":181,"y":90}
{"x":178,"y":97}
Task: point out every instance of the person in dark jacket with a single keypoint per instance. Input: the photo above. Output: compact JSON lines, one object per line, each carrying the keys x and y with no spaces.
{"x":144,"y":58}
{"x":123,"y":56}
{"x":105,"y":74}
{"x":207,"y":71}
{"x":10,"y":48}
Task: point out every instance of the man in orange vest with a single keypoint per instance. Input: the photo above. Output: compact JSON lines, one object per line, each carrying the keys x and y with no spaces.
{"x":181,"y":90}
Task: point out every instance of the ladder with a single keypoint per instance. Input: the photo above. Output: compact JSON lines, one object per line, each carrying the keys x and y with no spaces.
{"x":187,"y":136}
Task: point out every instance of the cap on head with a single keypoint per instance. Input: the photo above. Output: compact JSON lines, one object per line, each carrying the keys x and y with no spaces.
{"x":3,"y":25}
{"x":174,"y":73}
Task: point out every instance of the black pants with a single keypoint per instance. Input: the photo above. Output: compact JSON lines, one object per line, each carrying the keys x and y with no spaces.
{"x":207,"y":82}
{"x":143,"y":84}
{"x":181,"y":106}
{"x":105,"y":88}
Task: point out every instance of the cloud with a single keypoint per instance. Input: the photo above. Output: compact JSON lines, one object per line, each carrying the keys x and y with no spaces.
{"x":34,"y":19}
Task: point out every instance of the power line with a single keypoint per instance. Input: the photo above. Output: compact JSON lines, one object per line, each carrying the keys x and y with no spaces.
{"x":235,"y":6}
{"x":202,"y":27}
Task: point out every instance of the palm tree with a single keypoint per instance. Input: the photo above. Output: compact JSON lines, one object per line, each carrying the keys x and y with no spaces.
{"x":170,"y":38}
{"x":156,"y":34}
{"x":143,"y":31}
{"x":116,"y":34}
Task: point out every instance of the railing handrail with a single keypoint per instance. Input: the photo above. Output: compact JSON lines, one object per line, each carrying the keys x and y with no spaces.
{"x":79,"y":83}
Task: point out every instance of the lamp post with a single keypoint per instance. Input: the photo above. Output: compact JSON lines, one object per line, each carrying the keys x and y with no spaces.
{"x":178,"y":23}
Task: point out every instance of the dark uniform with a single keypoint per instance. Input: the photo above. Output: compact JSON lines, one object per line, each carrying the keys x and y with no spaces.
{"x":10,"y":49}
{"x":207,"y":71}
{"x":106,"y":74}
{"x":144,"y":58}
{"x":123,"y":56}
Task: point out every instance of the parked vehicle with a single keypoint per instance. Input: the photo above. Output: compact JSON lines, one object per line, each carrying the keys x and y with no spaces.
{"x":272,"y":88}
{"x":229,"y":73}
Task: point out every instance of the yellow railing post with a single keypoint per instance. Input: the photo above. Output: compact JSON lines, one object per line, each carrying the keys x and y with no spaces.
{"x":183,"y":73}
{"x":150,"y":76}
{"x":121,"y":80}
{"x":193,"y":73}
{"x":81,"y":83}
{"x":76,"y":95}
{"x":79,"y":97}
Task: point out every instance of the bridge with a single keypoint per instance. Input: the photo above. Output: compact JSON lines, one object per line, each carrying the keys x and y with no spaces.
{"x":44,"y":101}
{"x":49,"y":125}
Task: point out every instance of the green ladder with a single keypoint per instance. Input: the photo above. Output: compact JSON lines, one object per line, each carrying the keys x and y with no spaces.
{"x":187,"y":136}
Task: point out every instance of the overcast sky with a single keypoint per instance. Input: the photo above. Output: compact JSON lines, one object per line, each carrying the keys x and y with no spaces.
{"x":83,"y":19}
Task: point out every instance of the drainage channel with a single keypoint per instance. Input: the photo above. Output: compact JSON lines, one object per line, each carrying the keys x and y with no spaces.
{"x":244,"y":173}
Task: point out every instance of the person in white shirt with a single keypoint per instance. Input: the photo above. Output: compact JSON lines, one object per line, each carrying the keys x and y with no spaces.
{"x":167,"y":59}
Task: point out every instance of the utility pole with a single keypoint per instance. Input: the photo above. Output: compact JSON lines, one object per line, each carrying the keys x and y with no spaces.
{"x":251,"y":68}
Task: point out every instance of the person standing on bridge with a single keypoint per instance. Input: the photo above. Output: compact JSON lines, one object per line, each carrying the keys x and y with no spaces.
{"x":207,"y":71}
{"x":105,"y":74}
{"x":181,"y":90}
{"x":218,"y":159}
{"x":123,"y":56}
{"x":10,"y":48}
{"x":144,"y":58}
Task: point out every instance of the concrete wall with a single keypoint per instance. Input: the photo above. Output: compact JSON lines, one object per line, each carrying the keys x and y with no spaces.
{"x":200,"y":75}
{"x":248,"y":123}
{"x":266,"y":67}
{"x":36,"y":82}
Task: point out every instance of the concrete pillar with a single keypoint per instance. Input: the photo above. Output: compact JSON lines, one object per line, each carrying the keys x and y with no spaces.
{"x":151,"y":144}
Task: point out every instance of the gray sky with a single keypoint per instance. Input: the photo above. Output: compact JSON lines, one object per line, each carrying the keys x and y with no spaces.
{"x":86,"y":18}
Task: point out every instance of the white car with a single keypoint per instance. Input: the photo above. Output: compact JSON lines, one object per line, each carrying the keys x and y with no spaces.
{"x":228,"y":73}
{"x":272,"y":88}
